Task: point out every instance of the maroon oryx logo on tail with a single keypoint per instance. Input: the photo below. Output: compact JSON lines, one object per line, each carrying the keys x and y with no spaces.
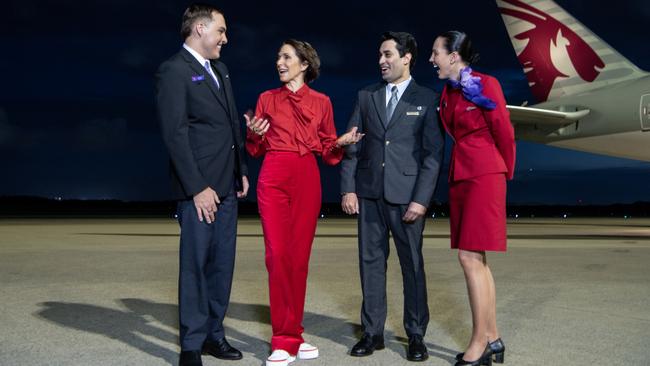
{"x":536,"y":56}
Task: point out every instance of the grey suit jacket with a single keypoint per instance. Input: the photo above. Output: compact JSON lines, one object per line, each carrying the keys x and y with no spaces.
{"x":399,"y":160}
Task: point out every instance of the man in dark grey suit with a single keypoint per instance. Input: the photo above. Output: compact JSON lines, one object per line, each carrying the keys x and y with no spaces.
{"x":200,"y":128}
{"x":389,"y":179}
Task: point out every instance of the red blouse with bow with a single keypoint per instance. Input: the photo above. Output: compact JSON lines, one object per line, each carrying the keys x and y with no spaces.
{"x":301,"y":122}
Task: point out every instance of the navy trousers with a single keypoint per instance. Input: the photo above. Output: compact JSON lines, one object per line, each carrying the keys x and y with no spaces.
{"x":207,"y":261}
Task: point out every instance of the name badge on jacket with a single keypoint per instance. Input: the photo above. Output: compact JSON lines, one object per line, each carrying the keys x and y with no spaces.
{"x":414,"y":113}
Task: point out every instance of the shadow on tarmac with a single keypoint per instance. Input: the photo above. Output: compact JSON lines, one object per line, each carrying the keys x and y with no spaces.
{"x":139,"y":319}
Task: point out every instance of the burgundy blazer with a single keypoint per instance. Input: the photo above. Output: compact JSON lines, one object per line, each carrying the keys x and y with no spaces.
{"x":484,"y":140}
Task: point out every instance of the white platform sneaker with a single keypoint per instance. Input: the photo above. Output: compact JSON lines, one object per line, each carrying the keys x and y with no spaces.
{"x":279,"y":357}
{"x":307,"y":351}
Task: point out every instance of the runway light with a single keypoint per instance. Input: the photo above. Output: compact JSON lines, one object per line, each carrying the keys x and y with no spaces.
{"x":322,"y":216}
{"x":175,"y":215}
{"x":564,"y":216}
{"x":433,"y":215}
{"x":516,"y":216}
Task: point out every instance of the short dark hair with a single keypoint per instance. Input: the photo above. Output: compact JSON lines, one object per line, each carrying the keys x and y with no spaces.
{"x":193,"y":13}
{"x":405,"y":44}
{"x":457,"y":41}
{"x":306,"y":53}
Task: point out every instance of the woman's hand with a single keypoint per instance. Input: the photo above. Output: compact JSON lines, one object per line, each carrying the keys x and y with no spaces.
{"x":259,"y":126}
{"x":350,"y":137}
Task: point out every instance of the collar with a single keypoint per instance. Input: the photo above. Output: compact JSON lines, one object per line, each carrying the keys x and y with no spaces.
{"x":401,"y":87}
{"x":472,"y":89}
{"x":196,"y":55}
{"x":304,"y":89}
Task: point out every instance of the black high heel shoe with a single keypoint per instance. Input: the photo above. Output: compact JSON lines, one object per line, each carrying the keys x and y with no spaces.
{"x":498,"y":350}
{"x":485,"y":359}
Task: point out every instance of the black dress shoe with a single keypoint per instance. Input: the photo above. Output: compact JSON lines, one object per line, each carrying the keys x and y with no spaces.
{"x":367,"y":345}
{"x":190,"y":358}
{"x":417,"y":351}
{"x":498,"y":350}
{"x":221,"y":349}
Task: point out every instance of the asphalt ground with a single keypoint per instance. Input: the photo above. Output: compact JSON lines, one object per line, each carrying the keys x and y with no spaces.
{"x":103,"y":292}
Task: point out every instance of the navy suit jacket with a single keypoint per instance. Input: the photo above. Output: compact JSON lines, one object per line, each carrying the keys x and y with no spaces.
{"x":200,"y":126}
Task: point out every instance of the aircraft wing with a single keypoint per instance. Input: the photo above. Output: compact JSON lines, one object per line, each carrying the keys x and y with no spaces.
{"x":543,"y":117}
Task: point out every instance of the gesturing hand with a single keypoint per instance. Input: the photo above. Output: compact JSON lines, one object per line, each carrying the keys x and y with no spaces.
{"x":350,"y":137}
{"x":206,"y":203}
{"x":259,"y":126}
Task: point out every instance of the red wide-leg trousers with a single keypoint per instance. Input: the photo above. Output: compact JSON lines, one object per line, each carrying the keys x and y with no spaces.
{"x":289,"y":200}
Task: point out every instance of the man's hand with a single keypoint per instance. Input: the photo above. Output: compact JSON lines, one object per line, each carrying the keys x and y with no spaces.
{"x":415,"y":211}
{"x":350,"y":203}
{"x":245,"y":186}
{"x":206,"y":203}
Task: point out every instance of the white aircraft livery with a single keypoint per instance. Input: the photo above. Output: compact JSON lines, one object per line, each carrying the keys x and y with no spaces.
{"x":590,"y":97}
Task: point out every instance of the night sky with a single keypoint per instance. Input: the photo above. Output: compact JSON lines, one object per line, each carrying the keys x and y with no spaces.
{"x":77,"y":115}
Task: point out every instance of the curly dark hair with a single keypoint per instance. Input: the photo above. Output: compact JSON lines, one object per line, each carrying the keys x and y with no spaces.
{"x":306,"y":53}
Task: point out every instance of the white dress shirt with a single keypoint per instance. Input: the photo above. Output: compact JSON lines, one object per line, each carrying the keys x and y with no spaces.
{"x":202,"y":61}
{"x":400,"y":89}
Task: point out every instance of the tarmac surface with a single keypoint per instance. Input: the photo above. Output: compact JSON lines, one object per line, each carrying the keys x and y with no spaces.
{"x":104,"y":292}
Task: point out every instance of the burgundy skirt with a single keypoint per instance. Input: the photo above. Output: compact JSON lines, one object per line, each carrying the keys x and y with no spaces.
{"x":478,"y":213}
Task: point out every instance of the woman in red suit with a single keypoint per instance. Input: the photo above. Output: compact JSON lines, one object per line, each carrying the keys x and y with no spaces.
{"x":473,"y":111}
{"x":291,"y":125}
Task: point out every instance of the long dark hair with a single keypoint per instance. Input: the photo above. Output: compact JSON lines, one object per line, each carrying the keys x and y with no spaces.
{"x":457,"y":41}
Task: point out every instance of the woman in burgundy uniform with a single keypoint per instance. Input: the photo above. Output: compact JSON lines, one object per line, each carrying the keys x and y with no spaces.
{"x":473,"y":111}
{"x":292,"y":124}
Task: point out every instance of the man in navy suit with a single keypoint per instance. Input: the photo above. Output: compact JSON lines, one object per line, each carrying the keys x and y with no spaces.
{"x":389,"y":179}
{"x":200,"y":128}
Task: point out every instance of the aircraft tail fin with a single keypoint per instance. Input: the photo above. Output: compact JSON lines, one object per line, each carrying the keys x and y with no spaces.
{"x":559,"y":55}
